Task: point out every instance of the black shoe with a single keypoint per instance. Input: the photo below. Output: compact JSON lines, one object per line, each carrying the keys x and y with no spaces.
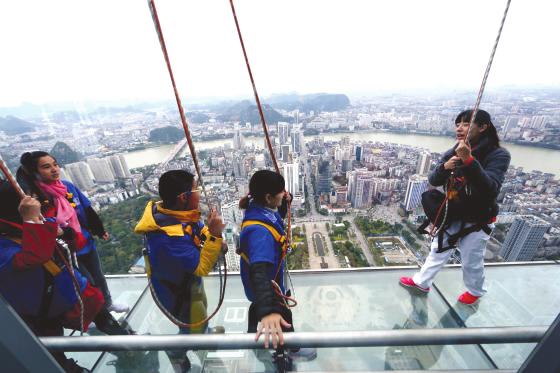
{"x":71,"y":366}
{"x":181,"y":366}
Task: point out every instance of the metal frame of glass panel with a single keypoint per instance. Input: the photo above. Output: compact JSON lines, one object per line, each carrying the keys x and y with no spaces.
{"x":19,"y":348}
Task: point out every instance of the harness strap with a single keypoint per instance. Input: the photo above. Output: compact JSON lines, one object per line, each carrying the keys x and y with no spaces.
{"x":281,"y":239}
{"x":463,"y":232}
{"x":50,"y":266}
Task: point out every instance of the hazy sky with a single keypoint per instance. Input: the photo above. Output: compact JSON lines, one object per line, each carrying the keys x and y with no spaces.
{"x":108,"y":50}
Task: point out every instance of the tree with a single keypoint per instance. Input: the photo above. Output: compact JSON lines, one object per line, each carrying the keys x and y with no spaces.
{"x":166,"y":134}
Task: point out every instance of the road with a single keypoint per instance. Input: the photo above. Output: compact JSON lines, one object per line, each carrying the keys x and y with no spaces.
{"x":362,"y":241}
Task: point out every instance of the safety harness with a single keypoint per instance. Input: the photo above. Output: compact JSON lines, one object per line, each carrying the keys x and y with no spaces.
{"x":452,"y":204}
{"x":282,"y":240}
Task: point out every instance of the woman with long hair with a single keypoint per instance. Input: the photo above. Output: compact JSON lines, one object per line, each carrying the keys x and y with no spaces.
{"x":39,"y":173}
{"x":473,"y":171}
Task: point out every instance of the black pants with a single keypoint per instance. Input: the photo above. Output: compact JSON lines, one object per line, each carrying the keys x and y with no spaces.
{"x":92,"y":265}
{"x":47,"y":328}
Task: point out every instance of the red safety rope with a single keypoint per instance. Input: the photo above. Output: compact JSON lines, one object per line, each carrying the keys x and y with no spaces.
{"x":259,"y":106}
{"x":192,"y":150}
{"x":287,"y":300}
{"x":487,"y":71}
{"x":190,"y":143}
{"x":445,"y":202}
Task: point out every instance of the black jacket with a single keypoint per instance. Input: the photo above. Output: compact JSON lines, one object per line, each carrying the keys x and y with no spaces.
{"x":484,"y":176}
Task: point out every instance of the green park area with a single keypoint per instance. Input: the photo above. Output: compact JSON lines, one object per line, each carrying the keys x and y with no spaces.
{"x":298,"y":258}
{"x":124,"y":247}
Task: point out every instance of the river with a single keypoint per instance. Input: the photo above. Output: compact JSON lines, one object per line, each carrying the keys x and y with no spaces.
{"x":530,"y":158}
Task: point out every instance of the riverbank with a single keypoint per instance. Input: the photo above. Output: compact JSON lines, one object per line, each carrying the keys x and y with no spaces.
{"x":526,"y":156}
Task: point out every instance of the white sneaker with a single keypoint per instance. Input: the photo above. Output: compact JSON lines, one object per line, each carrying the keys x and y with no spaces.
{"x":119,"y":308}
{"x":303,"y":354}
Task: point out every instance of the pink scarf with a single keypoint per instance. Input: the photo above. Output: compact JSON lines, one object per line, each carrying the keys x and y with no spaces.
{"x":65,"y":213}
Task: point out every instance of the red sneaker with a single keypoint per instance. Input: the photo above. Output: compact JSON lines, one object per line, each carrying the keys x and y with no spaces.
{"x":468,"y":298}
{"x":409,"y":283}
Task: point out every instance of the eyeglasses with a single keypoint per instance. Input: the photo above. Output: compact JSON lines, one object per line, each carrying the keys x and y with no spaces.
{"x":198,"y":189}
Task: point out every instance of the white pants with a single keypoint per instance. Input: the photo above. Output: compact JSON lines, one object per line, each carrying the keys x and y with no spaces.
{"x":472,"y":248}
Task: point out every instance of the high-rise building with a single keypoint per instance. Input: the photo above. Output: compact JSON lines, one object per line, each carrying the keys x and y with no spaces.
{"x":260,"y":161}
{"x":298,"y":141}
{"x":510,"y":123}
{"x":417,"y":184}
{"x":81,"y":175}
{"x":341,"y":195}
{"x":239,"y":169}
{"x":65,"y":176}
{"x":291,"y":176}
{"x":362,"y":197}
{"x":232,"y":217}
{"x":324,"y":177}
{"x":361,"y":188}
{"x":523,"y":239}
{"x":285,"y":152}
{"x":358,"y":152}
{"x":119,"y":166}
{"x":283,"y":132}
{"x":238,"y":140}
{"x":423,"y":163}
{"x":346,"y":165}
{"x":101,"y":169}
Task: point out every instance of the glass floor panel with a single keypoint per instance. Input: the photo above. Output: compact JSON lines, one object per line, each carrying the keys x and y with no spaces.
{"x":518,"y":295}
{"x":328,"y":301}
{"x":125,"y":290}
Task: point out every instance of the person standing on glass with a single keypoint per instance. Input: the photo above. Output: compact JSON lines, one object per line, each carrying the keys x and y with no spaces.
{"x":475,"y":169}
{"x":181,"y":250}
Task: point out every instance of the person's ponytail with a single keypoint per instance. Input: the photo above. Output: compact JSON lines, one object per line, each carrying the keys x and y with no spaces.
{"x":244,"y":202}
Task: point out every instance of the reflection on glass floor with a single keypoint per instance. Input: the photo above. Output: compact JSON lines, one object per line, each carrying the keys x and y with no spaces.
{"x":366,"y":299}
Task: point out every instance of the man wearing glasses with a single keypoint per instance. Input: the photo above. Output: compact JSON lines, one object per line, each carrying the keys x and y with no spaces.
{"x":181,"y":249}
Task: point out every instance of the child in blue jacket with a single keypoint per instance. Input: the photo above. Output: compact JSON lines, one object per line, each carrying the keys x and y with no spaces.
{"x":262,"y":263}
{"x":181,"y":250}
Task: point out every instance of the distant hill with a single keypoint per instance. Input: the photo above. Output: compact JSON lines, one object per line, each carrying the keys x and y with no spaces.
{"x":196,"y":117}
{"x":15,"y":126}
{"x":317,"y":102}
{"x":166,"y":134}
{"x":245,"y":111}
{"x":64,"y":154}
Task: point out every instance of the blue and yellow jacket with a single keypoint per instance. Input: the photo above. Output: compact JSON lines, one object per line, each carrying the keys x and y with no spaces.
{"x":179,"y":255}
{"x":258,"y":244}
{"x":33,"y":289}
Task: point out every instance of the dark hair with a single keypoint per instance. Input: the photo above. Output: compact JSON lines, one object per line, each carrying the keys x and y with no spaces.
{"x":9,"y":202}
{"x":482,"y":117}
{"x":27,"y":173}
{"x":173,"y":183}
{"x":263,"y":182}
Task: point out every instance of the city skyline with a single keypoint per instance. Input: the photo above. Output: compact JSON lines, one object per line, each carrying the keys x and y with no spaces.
{"x":355,"y":47}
